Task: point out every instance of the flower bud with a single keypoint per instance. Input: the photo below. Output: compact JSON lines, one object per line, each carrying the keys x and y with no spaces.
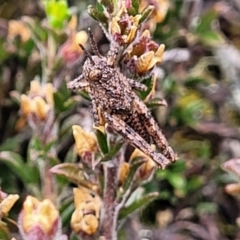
{"x":26,"y":106}
{"x":85,"y":141}
{"x":35,"y":88}
{"x":40,"y":107}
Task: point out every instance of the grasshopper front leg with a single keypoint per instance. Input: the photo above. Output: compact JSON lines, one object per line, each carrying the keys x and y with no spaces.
{"x":118,"y":125}
{"x":78,"y":84}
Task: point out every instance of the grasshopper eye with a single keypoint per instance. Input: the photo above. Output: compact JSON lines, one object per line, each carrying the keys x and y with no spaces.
{"x":95,"y":75}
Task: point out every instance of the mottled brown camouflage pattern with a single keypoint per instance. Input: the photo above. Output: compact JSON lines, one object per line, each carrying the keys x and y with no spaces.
{"x":113,"y":95}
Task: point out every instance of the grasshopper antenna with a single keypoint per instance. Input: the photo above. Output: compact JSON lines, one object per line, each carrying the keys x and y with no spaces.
{"x":93,"y":43}
{"x":87,"y":53}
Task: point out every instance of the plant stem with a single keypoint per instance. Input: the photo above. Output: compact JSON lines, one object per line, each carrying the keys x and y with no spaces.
{"x":109,"y":213}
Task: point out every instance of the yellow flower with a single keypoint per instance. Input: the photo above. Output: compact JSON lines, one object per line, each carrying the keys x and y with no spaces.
{"x":39,"y":215}
{"x":40,"y":107}
{"x":81,"y":194}
{"x":119,"y":30}
{"x":87,"y":224}
{"x":131,"y":32}
{"x":114,"y":26}
{"x":38,"y":101}
{"x":85,"y":141}
{"x":90,"y":224}
{"x":149,"y":59}
{"x":7,"y":203}
{"x":143,"y":54}
{"x":87,"y":204}
{"x":17,"y":28}
{"x":48,"y":89}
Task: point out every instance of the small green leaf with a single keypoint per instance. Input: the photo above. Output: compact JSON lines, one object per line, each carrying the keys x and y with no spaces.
{"x":211,"y":38}
{"x":146,"y":13}
{"x":195,"y":81}
{"x":108,"y":4}
{"x":148,"y":82}
{"x":4,"y":232}
{"x":28,"y":174}
{"x":97,"y":15}
{"x":207,"y":207}
{"x":71,"y":155}
{"x":62,"y":100}
{"x":47,"y":147}
{"x":194,"y":183}
{"x":85,"y":95}
{"x":102,"y":141}
{"x":4,"y":52}
{"x":135,"y":4}
{"x":112,"y":152}
{"x":137,"y":204}
{"x":205,"y":31}
{"x":73,"y":172}
{"x":133,"y":9}
{"x":16,"y":97}
{"x":156,"y":102}
{"x":66,"y":212}
{"x":205,"y":21}
{"x":35,"y":150}
{"x":11,"y":144}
